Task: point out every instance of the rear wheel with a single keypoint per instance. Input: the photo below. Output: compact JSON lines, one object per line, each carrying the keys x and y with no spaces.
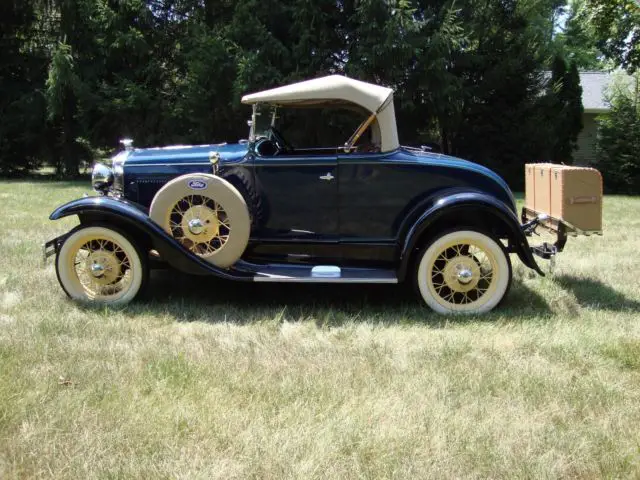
{"x":99,"y":264}
{"x":464,"y":271}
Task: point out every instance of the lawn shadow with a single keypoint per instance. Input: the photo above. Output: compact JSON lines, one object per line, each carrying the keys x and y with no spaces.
{"x":191,"y":298}
{"x":523,"y":301}
{"x":594,"y":293}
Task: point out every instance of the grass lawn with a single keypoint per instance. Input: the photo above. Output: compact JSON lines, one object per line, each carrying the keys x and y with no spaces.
{"x":208,"y":379}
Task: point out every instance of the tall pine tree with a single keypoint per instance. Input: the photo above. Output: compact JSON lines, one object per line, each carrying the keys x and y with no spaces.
{"x":564,"y":110}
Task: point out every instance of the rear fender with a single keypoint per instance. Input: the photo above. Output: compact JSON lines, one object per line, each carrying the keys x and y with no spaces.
{"x":450,"y":209}
{"x":134,"y":219}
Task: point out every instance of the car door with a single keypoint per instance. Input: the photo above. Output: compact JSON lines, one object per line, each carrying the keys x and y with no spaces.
{"x":300,"y":203}
{"x":371,"y":199}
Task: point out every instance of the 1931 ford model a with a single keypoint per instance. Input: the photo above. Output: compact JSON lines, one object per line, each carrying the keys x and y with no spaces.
{"x":263,"y":210}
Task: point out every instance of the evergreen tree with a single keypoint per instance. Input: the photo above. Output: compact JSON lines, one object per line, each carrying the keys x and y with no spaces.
{"x":22,"y":106}
{"x":467,"y":75}
{"x":574,"y":110}
{"x":564,"y":110}
{"x":500,"y":68}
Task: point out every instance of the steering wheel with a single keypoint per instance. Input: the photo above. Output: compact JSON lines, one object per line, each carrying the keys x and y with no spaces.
{"x":278,"y":139}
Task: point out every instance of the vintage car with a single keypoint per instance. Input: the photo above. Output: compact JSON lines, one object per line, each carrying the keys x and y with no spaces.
{"x":264,"y":210}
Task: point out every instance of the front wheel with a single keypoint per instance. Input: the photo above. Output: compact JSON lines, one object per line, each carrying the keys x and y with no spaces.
{"x":463,"y":271}
{"x":99,"y":264}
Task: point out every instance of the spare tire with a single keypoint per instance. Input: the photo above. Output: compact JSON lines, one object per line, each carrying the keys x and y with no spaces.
{"x":206,"y":214}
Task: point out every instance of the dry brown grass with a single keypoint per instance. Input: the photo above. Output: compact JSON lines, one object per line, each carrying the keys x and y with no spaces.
{"x":209,"y":379}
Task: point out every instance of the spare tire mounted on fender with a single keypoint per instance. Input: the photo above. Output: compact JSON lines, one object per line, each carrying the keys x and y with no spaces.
{"x":206,"y":214}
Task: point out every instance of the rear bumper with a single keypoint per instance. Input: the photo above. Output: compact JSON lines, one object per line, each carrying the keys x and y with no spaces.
{"x":545,"y":250}
{"x":556,"y":225}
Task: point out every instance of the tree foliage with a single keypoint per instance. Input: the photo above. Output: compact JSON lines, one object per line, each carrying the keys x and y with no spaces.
{"x":564,"y":110}
{"x":80,"y":74}
{"x":619,"y":138}
{"x":616,"y":24}
{"x":578,"y":41}
{"x":22,"y":106}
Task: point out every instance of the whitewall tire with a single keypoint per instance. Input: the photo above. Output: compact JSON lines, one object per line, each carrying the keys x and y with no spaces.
{"x":99,"y":264}
{"x":206,"y":214}
{"x":463,"y":272}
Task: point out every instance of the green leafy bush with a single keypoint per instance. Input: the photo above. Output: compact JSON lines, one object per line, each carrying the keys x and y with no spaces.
{"x":618,"y":146}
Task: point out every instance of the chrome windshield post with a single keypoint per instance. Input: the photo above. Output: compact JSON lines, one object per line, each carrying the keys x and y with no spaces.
{"x":252,"y":123}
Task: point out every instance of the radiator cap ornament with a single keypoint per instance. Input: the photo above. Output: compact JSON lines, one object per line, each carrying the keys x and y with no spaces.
{"x":128,"y":144}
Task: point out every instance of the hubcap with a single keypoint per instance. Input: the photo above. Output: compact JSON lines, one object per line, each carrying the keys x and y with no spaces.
{"x":465,"y":276}
{"x":196,"y":226}
{"x":97,"y":270}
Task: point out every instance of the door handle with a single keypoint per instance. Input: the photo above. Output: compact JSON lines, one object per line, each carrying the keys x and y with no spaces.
{"x":328,"y":176}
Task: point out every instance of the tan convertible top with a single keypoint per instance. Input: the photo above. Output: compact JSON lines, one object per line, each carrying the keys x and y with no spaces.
{"x":337,"y":89}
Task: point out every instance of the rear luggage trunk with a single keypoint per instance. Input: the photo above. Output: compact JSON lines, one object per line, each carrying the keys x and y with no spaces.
{"x":570,"y":195}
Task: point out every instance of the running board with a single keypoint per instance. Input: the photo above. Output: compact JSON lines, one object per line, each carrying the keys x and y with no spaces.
{"x":317,"y":274}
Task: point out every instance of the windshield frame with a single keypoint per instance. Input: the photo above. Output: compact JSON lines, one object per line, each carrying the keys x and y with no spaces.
{"x":256,"y":131}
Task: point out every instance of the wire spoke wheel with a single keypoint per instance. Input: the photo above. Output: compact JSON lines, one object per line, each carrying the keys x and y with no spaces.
{"x":462,"y":278}
{"x":206,"y":214}
{"x":463,"y":272}
{"x":200,"y":224}
{"x":101,"y":265}
{"x":103,"y":268}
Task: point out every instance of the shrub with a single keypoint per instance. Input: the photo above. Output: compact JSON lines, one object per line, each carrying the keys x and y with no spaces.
{"x":618,"y":144}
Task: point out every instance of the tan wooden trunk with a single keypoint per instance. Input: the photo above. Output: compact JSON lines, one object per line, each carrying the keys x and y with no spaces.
{"x":538,"y":186}
{"x":529,"y":187}
{"x":570,"y":194}
{"x":576,"y":196}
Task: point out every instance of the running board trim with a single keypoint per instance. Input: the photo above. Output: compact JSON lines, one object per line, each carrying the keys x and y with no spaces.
{"x":284,"y":279}
{"x":287,"y":273}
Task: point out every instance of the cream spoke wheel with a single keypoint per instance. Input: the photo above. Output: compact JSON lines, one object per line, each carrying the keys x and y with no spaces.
{"x":101,"y":265}
{"x":206,"y":214}
{"x":463,"y":272}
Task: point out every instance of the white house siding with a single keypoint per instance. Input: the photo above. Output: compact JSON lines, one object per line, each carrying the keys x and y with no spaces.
{"x":586,"y":152}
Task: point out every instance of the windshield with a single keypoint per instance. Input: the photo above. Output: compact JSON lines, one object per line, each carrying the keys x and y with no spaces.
{"x":313,"y":130}
{"x":262,"y":120}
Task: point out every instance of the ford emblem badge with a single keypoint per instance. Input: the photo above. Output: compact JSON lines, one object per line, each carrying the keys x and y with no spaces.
{"x":196,"y":184}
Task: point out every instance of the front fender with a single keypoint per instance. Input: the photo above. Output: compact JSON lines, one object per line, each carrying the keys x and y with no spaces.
{"x":480,"y":205}
{"x":134,"y":219}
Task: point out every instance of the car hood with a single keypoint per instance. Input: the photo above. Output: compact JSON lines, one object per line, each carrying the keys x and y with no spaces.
{"x":184,"y":154}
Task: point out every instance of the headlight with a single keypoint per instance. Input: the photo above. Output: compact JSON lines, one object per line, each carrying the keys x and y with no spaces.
{"x":101,"y":177}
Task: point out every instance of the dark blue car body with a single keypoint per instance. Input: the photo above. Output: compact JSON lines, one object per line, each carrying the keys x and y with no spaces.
{"x":375,"y":212}
{"x":366,"y":211}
